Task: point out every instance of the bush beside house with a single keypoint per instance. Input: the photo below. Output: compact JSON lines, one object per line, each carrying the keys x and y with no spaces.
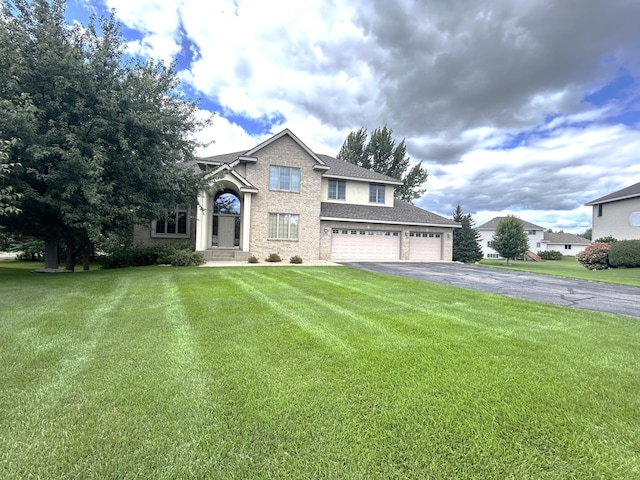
{"x":625,"y":253}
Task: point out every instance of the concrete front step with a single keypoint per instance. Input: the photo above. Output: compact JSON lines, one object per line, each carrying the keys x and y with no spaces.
{"x":224,"y":255}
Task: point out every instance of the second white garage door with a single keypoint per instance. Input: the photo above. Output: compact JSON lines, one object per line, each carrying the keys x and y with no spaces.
{"x":365,"y":245}
{"x":425,"y":246}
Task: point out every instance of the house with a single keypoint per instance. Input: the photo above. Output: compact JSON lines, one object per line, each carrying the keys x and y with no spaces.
{"x":539,"y":240}
{"x":617,"y":214}
{"x":565,"y":243}
{"x":280,"y":197}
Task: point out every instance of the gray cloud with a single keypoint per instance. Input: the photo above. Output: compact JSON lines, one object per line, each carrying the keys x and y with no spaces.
{"x":458,"y":65}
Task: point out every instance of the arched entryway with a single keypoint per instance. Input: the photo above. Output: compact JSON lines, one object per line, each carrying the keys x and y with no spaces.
{"x":225,"y":232}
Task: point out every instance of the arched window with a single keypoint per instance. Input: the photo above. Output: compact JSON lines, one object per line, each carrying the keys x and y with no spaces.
{"x":227,"y":204}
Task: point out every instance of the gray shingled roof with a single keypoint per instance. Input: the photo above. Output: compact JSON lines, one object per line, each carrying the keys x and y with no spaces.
{"x":627,"y":192}
{"x":493,"y":223}
{"x":342,"y":169}
{"x":565,"y":238}
{"x":337,"y":168}
{"x":223,"y":158}
{"x":402,"y":213}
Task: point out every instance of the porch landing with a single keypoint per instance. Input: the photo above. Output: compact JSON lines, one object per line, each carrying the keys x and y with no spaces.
{"x":224,"y":255}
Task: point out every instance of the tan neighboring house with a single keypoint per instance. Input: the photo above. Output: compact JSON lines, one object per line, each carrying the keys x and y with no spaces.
{"x":539,"y":240}
{"x":617,"y":214}
{"x":280,"y":197}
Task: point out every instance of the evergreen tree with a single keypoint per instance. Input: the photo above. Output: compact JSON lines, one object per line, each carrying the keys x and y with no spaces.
{"x":382,"y":155}
{"x":98,"y":142}
{"x":510,"y":239}
{"x":466,"y":240}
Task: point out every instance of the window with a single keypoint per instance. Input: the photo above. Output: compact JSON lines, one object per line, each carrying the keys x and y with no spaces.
{"x":567,"y":247}
{"x":376,"y":193}
{"x":283,"y":226}
{"x":531,"y":232}
{"x":284,"y":178}
{"x":175,"y":224}
{"x":599,"y":209}
{"x":538,"y":245}
{"x":337,"y":189}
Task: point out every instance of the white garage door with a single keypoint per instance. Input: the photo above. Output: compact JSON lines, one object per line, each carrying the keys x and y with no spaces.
{"x":425,"y":246}
{"x":364,"y":245}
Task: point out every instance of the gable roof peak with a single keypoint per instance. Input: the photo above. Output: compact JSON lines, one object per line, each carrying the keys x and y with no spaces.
{"x":278,"y":136}
{"x":631,"y":191}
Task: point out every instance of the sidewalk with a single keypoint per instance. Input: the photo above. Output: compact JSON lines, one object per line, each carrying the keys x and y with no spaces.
{"x":233,"y":263}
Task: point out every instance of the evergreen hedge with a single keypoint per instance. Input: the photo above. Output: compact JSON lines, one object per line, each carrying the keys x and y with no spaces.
{"x":625,"y":253}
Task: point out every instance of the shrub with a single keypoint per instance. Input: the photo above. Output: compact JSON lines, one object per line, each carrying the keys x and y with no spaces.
{"x":274,"y":257}
{"x":625,"y":253}
{"x":159,"y":254}
{"x":185,"y":258}
{"x":550,"y":255}
{"x":595,"y":256}
{"x":296,"y":259}
{"x":607,"y":239}
{"x":252,"y":259}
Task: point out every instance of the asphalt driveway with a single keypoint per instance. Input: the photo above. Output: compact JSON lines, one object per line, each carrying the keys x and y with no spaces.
{"x":597,"y":296}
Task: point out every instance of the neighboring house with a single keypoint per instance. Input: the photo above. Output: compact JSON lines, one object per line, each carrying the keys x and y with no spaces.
{"x":539,"y":240}
{"x":280,"y":197}
{"x":565,"y":243}
{"x":617,"y":214}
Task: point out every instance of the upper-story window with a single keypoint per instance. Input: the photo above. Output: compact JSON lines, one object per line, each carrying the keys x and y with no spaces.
{"x":531,"y":232}
{"x":599,"y":209}
{"x":284,"y":178}
{"x":337,"y":189}
{"x":376,"y":193}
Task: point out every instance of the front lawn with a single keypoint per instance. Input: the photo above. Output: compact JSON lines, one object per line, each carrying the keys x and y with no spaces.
{"x":570,"y":267}
{"x":305,"y":373}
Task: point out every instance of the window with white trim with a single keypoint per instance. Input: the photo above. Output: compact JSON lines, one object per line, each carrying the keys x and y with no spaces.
{"x":337,"y":189}
{"x":174,"y":225}
{"x":283,"y":226}
{"x":376,"y":193}
{"x":284,"y":178}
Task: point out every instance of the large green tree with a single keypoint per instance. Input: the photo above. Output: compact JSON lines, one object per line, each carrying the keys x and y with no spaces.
{"x":381,"y":154}
{"x":510,"y":239}
{"x":466,"y":240}
{"x":99,"y":140}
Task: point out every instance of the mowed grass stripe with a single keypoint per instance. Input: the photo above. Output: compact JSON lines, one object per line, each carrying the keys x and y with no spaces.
{"x":200,"y":375}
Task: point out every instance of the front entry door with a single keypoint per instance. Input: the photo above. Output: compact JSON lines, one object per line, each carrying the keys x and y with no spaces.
{"x":226,"y":231}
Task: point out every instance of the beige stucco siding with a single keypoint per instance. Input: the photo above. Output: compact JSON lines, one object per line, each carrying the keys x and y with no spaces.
{"x":615,"y":220}
{"x":306,"y":203}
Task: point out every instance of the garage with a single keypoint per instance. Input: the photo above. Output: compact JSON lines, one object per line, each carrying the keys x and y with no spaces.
{"x":351,"y":244}
{"x":425,"y":246}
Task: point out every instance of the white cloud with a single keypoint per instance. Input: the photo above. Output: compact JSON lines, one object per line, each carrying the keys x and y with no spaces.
{"x":463,"y":82}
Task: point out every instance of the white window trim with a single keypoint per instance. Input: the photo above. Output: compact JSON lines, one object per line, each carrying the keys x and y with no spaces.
{"x":337,"y":195}
{"x":290,"y":189}
{"x":379,"y":187}
{"x":278,"y":236}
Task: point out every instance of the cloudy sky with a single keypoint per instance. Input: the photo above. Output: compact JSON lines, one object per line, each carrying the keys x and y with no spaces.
{"x":525,"y":107}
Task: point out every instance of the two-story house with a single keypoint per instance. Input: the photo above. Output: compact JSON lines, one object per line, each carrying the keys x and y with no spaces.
{"x":539,"y":239}
{"x":280,"y":197}
{"x":617,"y":214}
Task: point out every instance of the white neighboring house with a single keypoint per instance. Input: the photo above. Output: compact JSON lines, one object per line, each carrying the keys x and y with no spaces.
{"x":617,"y":214}
{"x":539,"y":240}
{"x":565,"y":243}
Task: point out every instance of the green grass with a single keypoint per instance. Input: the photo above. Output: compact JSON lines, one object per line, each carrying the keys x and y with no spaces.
{"x":570,"y":267}
{"x":306,"y":373}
